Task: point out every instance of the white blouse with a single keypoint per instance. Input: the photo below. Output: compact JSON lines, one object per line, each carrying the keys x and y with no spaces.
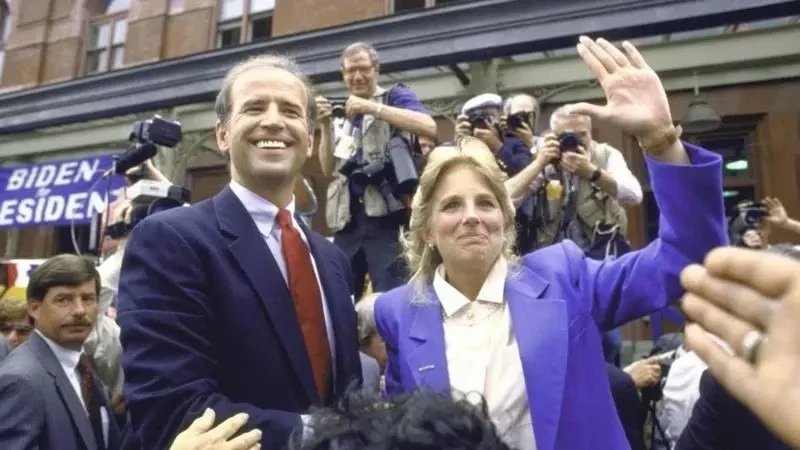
{"x":482,"y":354}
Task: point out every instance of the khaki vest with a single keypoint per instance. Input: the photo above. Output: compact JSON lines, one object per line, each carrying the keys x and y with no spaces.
{"x":373,"y":139}
{"x":592,"y":206}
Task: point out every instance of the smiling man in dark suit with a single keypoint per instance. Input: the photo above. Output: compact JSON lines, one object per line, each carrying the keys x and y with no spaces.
{"x":49,"y":397}
{"x":233,"y":304}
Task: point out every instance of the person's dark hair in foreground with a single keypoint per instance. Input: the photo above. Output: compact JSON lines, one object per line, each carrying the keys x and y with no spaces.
{"x":422,"y":420}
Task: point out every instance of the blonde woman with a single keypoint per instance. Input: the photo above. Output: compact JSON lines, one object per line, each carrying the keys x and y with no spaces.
{"x":525,"y":333}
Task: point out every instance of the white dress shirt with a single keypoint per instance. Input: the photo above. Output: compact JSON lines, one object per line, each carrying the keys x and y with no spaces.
{"x":629,"y":190}
{"x":483,"y":356}
{"x":682,"y":390}
{"x":69,"y":359}
{"x":264,"y":213}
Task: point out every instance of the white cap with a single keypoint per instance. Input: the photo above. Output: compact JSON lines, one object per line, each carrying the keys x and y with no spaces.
{"x":482,"y":101}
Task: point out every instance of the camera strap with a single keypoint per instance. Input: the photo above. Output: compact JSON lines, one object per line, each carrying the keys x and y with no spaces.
{"x":569,"y":208}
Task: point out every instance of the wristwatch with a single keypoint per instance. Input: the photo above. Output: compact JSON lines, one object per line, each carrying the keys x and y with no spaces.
{"x":378,"y":111}
{"x":596,"y":175}
{"x":661,"y":139}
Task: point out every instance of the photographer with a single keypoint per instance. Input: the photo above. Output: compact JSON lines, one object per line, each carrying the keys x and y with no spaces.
{"x":373,"y":167}
{"x":481,"y":117}
{"x":753,"y":222}
{"x":584,"y":195}
{"x":520,"y":115}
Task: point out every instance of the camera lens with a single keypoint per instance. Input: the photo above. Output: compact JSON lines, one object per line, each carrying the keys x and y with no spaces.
{"x":337,"y":112}
{"x":568,"y":141}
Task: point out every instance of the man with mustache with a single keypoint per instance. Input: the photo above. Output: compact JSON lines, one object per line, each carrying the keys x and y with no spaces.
{"x":50,"y":397}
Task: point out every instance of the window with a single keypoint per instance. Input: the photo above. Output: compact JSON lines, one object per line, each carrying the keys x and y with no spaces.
{"x":242,"y":21}
{"x":107,"y":32}
{"x":410,"y":5}
{"x":106,"y":46}
{"x":112,"y":6}
{"x":175,"y":7}
{"x":5,"y":31}
{"x":5,"y":20}
{"x":733,"y":141}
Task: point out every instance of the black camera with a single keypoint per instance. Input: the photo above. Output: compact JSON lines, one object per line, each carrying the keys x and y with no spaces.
{"x":337,"y":107}
{"x":481,"y":120}
{"x":752,"y":213}
{"x":146,"y":136}
{"x":398,"y":176}
{"x":516,"y":120}
{"x":337,"y":111}
{"x":569,"y":142}
{"x":175,"y":196}
{"x":157,"y":130}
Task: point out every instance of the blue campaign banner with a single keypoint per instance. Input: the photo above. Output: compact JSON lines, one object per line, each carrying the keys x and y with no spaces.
{"x":56,"y":193}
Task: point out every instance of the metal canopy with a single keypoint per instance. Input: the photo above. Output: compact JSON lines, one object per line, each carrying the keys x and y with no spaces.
{"x":437,"y":36}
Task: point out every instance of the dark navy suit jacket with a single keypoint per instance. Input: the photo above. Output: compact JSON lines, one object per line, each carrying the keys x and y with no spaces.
{"x":514,"y":154}
{"x":207,"y":321}
{"x":719,"y":421}
{"x":560,"y":301}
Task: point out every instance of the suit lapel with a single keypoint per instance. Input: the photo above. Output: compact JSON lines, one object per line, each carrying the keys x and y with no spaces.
{"x":428,"y":361}
{"x":65,"y":390}
{"x":540,"y":326}
{"x":256,"y":261}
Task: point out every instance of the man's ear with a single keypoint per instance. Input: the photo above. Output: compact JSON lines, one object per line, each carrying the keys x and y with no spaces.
{"x":310,"y":152}
{"x":221,"y":132}
{"x":33,"y":309}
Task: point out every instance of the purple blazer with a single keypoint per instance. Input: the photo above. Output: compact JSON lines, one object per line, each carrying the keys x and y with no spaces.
{"x":560,"y":302}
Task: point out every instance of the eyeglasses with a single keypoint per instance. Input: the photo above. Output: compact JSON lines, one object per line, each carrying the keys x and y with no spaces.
{"x":7,"y":328}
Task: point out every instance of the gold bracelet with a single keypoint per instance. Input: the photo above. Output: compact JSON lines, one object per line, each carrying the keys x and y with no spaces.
{"x":660,"y":140}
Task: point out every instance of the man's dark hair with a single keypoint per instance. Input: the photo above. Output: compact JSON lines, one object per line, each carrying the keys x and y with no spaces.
{"x":421,"y":420}
{"x":61,"y":270}
{"x":222,"y":105}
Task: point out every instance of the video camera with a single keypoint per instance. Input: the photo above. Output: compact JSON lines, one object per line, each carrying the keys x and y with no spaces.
{"x":147,"y":196}
{"x":146,"y":135}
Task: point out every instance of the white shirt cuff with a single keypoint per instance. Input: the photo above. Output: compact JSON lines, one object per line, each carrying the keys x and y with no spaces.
{"x":306,"y":421}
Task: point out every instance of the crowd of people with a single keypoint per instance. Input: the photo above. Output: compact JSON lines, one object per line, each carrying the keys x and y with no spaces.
{"x":499,"y":270}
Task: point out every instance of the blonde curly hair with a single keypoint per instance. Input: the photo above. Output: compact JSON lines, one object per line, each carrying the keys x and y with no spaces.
{"x":422,"y":259}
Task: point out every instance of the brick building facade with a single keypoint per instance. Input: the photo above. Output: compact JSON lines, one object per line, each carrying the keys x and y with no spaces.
{"x":47,"y":41}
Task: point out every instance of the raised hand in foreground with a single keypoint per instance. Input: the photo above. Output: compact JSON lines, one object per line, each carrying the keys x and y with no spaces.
{"x":751,"y":300}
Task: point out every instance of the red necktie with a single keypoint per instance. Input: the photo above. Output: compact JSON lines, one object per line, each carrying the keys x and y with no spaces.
{"x":307,"y":301}
{"x":85,"y":372}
